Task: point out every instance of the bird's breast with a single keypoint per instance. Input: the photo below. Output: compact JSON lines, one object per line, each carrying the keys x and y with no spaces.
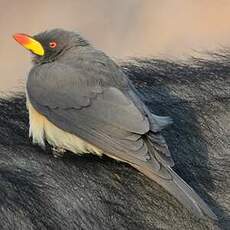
{"x":42,"y":129}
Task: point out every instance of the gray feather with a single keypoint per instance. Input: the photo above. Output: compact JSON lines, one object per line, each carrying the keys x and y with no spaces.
{"x":162,"y":121}
{"x":85,"y":93}
{"x":181,"y":191}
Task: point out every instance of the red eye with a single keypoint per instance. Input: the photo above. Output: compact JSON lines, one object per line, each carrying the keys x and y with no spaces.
{"x":52,"y":44}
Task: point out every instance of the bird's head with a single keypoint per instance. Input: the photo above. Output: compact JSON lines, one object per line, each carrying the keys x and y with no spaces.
{"x":49,"y":45}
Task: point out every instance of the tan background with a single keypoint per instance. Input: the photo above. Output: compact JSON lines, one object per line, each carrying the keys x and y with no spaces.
{"x":122,"y":28}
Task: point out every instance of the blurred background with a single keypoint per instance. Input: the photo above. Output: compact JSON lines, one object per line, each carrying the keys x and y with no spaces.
{"x":122,"y":28}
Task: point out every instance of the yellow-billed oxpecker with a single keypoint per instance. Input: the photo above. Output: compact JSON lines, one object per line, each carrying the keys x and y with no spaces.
{"x":80,"y":100}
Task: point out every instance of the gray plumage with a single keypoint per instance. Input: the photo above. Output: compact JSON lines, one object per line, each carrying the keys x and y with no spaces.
{"x":82,"y":91}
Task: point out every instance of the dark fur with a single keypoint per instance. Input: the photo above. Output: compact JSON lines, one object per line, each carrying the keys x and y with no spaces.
{"x":38,"y":191}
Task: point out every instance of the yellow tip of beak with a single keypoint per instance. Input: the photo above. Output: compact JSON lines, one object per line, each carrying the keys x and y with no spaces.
{"x":29,"y":43}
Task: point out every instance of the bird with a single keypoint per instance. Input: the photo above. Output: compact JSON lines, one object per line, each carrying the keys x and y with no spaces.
{"x":79,"y":100}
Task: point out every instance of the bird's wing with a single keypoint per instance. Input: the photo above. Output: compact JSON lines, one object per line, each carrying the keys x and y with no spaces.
{"x":104,"y":116}
{"x":93,"y":109}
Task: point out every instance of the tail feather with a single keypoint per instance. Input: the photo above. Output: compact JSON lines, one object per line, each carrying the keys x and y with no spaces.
{"x":181,"y":191}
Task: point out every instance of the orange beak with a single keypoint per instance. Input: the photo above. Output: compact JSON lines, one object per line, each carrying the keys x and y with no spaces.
{"x":29,"y":43}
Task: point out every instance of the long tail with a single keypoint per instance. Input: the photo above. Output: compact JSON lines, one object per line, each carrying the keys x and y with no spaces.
{"x":181,"y":191}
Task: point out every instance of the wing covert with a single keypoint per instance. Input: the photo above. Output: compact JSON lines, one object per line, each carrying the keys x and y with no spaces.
{"x":94,"y":109}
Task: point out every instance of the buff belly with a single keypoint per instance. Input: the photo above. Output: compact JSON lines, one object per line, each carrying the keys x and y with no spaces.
{"x":41,"y":129}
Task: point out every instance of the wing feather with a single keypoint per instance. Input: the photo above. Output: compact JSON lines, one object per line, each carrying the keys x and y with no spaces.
{"x":97,"y":110}
{"x":101,"y":107}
